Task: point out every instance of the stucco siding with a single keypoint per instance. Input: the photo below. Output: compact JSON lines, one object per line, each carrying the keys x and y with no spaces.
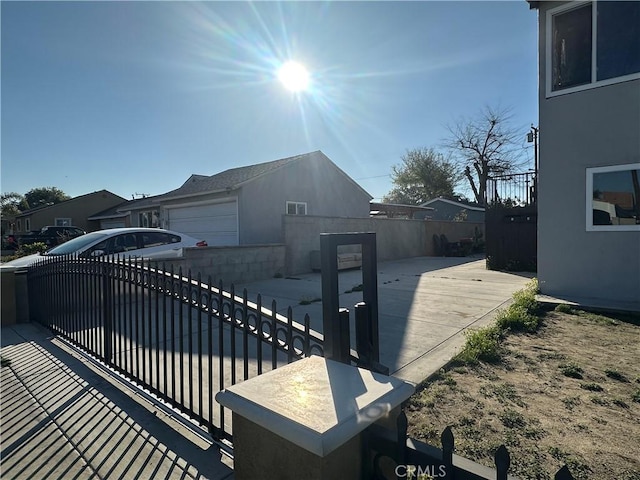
{"x":592,"y":128}
{"x":316,"y":181}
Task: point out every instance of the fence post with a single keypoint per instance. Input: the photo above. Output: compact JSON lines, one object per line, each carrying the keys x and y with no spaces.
{"x":343,"y":354}
{"x":503,"y":461}
{"x":364,"y":346}
{"x":563,"y":474}
{"x":447,"y":440}
{"x":107,"y":299}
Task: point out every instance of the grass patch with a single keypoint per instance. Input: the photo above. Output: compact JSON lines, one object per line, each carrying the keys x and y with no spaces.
{"x":571,"y":370}
{"x":484,"y":344}
{"x":512,"y":419}
{"x":309,"y":301}
{"x":565,"y":308}
{"x":355,"y":288}
{"x":616,"y":375}
{"x":592,"y":387}
{"x":571,"y":402}
{"x":620,"y":403}
{"x":636,"y":396}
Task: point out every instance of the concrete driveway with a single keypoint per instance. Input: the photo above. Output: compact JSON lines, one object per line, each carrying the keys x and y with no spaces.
{"x":425,"y":304}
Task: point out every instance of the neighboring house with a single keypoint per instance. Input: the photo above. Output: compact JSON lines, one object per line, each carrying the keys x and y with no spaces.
{"x":75,"y":211}
{"x":589,"y":164}
{"x":245,"y":205}
{"x":445,"y":209}
{"x":394,"y":210}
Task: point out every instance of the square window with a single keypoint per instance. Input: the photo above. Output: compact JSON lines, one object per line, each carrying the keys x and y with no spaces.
{"x":613,"y":198}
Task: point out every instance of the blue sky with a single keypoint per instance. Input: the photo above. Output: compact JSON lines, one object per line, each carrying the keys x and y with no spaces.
{"x":134,"y":97}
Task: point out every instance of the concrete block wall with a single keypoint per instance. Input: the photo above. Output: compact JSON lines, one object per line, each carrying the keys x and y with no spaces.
{"x":238,"y":264}
{"x":395,"y":238}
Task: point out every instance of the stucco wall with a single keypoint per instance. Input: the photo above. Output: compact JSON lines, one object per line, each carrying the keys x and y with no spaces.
{"x":314,"y":180}
{"x":395,"y":238}
{"x":595,"y":127}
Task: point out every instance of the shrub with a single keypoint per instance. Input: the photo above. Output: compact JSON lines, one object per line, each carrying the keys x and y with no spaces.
{"x":571,"y":370}
{"x":565,"y":308}
{"x":31,"y":248}
{"x":481,"y":345}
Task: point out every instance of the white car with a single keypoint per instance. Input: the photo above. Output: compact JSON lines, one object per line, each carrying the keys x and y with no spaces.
{"x":152,"y":243}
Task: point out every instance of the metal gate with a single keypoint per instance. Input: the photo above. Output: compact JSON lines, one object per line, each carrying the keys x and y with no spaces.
{"x":511,"y":223}
{"x":178,"y":338}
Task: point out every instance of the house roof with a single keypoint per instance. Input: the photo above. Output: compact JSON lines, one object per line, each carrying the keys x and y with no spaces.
{"x":74,"y":199}
{"x":465,"y":205}
{"x":392,"y":209}
{"x":236,"y":177}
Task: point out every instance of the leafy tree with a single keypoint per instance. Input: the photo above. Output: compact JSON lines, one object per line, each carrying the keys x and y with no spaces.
{"x":423,"y":174}
{"x":12,"y":203}
{"x":39,"y":197}
{"x":484,"y":146}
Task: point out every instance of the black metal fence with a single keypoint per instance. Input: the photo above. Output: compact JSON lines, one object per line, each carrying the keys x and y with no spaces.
{"x":180,"y":338}
{"x":512,"y":190}
{"x":410,"y":458}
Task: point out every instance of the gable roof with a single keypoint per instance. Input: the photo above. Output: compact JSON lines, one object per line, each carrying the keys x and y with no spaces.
{"x":71,"y":200}
{"x":465,"y":205}
{"x":236,"y":177}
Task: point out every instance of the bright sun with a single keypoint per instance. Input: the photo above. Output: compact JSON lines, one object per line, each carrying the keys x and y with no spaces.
{"x":294,"y":76}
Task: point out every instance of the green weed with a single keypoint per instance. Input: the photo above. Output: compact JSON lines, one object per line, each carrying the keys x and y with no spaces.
{"x":571,"y":370}
{"x":614,"y":374}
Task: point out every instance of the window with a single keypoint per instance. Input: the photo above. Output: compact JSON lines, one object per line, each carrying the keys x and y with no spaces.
{"x":153,"y":239}
{"x":592,"y":44}
{"x":296,"y":208}
{"x":613,"y":198}
{"x":148,"y":219}
{"x":19,"y":225}
{"x":62,"y":222}
{"x":27,"y":224}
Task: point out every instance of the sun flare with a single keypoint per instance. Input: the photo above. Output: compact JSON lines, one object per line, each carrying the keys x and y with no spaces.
{"x":294,"y":76}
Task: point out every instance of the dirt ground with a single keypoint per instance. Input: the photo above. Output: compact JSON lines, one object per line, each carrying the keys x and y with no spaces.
{"x":568,"y":394}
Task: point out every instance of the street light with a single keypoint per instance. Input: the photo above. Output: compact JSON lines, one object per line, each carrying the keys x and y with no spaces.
{"x":532,"y":136}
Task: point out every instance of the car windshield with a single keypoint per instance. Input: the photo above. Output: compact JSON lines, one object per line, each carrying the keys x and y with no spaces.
{"x":77,"y":244}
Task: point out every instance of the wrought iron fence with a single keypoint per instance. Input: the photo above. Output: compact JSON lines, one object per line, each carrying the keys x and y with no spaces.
{"x":179,"y":338}
{"x":414,"y":459}
{"x":512,"y":190}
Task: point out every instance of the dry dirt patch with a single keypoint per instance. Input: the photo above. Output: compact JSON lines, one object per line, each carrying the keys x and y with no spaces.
{"x":568,"y":394}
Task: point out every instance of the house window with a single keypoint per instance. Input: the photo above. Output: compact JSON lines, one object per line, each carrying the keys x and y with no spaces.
{"x":27,"y":224}
{"x":592,"y":44}
{"x":149,"y":219}
{"x":63,"y":222}
{"x":18,"y":225}
{"x":296,"y":208}
{"x":613,"y":198}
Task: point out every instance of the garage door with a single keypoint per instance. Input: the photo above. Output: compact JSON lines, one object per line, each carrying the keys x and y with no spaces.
{"x":104,"y":224}
{"x":217,"y":223}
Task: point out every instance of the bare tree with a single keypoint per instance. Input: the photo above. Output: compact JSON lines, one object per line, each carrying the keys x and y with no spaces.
{"x":484,"y":146}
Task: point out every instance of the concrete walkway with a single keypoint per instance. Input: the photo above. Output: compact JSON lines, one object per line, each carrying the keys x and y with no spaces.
{"x":425,"y":304}
{"x":61,"y":417}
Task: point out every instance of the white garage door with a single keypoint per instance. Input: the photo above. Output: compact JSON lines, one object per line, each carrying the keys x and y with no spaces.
{"x":217,"y":223}
{"x":104,"y":224}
